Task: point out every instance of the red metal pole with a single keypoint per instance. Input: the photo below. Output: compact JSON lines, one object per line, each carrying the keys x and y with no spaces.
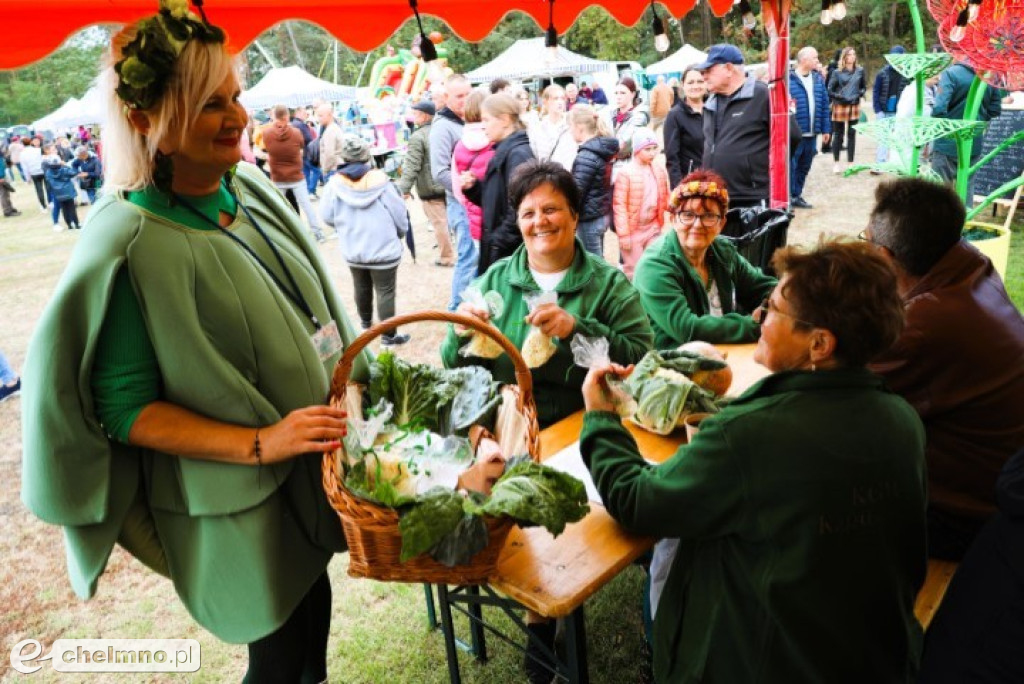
{"x":775,"y":14}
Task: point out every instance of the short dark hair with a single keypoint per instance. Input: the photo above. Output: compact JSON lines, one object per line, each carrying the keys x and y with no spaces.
{"x":917,"y":220}
{"x":532,"y":174}
{"x":848,"y":288}
{"x":498,"y":84}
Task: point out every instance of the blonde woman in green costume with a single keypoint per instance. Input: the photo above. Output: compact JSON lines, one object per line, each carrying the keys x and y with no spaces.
{"x":175,"y":387}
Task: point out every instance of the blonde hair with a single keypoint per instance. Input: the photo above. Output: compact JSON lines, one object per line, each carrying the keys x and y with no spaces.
{"x":842,"y":58}
{"x":550,"y":91}
{"x":502,"y":104}
{"x":473,"y":102}
{"x":587,"y":117}
{"x":201,"y":69}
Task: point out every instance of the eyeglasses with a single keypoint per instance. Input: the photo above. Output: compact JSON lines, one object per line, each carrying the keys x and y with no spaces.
{"x":766,"y":307}
{"x":863,"y":235}
{"x":706,"y":220}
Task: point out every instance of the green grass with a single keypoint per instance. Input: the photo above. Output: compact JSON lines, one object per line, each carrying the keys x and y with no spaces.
{"x":1015,"y":267}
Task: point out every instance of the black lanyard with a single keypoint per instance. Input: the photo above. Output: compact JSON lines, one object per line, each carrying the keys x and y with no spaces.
{"x":296,"y":295}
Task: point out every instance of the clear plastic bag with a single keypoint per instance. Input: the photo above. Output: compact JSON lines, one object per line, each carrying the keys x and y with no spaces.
{"x":593,"y":352}
{"x":481,"y":345}
{"x":538,"y":348}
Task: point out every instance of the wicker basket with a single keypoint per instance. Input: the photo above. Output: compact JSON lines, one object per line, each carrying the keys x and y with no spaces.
{"x":371,"y":530}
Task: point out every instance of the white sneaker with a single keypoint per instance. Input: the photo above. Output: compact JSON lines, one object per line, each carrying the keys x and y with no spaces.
{"x":837,"y":167}
{"x":57,"y":228}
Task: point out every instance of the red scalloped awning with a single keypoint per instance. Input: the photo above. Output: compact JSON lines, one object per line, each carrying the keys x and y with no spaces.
{"x":360,"y":24}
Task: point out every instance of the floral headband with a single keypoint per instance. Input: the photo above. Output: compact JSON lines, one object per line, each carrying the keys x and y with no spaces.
{"x":148,"y":60}
{"x":703,"y":189}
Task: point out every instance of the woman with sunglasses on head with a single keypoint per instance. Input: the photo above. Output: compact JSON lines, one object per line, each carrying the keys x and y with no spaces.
{"x":695,"y":285}
{"x":799,"y":509}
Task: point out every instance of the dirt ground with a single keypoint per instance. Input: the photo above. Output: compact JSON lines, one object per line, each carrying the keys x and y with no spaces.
{"x":36,"y":598}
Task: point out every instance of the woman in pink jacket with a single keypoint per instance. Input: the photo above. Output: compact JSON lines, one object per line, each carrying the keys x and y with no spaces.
{"x":472,"y":153}
{"x":640,"y":200}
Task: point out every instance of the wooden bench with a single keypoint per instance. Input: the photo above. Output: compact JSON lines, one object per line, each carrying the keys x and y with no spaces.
{"x":935,"y":584}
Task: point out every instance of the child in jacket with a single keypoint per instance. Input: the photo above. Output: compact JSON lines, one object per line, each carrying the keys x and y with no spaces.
{"x":472,"y":152}
{"x":59,"y":177}
{"x":640,"y":200}
{"x":592,"y":171}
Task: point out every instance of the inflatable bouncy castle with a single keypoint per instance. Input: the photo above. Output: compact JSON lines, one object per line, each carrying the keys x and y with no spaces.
{"x":405,"y":74}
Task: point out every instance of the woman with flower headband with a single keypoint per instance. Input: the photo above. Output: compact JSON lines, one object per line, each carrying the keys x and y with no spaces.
{"x":695,"y":286}
{"x":174,"y":388}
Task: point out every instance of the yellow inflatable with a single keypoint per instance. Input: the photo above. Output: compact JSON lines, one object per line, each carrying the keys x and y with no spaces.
{"x":406,"y":75}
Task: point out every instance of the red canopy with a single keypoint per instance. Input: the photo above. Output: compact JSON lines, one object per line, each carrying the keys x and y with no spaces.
{"x":360,"y":24}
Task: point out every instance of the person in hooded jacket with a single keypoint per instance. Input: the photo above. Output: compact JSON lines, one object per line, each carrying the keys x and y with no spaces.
{"x":90,"y":171}
{"x":369,"y":215}
{"x":285,"y":147}
{"x":59,"y":178}
{"x":501,"y":235}
{"x":592,"y":170}
{"x":473,"y":152}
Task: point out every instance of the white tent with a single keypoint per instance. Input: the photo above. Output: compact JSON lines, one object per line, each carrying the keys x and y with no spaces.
{"x":677,"y":61}
{"x":528,"y":58}
{"x":92,"y":109}
{"x":55,"y":118}
{"x":293,"y":87}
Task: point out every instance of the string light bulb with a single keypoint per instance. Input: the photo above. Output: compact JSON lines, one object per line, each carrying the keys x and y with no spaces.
{"x":839,"y":10}
{"x":826,"y":12}
{"x":551,"y":36}
{"x":661,"y":42}
{"x":427,"y":50}
{"x":749,"y":20}
{"x":959,"y":30}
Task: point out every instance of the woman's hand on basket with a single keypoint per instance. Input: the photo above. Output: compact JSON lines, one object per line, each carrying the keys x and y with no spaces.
{"x":307,"y":430}
{"x":553,"y":321}
{"x":468,"y":309}
{"x":597,"y":396}
{"x":489,"y":467}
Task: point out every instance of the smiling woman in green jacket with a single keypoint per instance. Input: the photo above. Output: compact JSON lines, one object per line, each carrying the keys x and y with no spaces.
{"x":799,"y":510}
{"x":695,"y":285}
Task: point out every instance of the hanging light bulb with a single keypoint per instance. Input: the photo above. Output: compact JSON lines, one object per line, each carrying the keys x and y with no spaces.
{"x":958,"y":31}
{"x":839,"y":10}
{"x":749,"y":20}
{"x":427,"y":50}
{"x":973,"y":7}
{"x":661,"y":42}
{"x":826,"y":12}
{"x":551,"y":36}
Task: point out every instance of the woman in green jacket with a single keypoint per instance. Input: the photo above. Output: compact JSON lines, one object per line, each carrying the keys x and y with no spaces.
{"x":175,"y":386}
{"x":694,"y":285}
{"x":799,"y":510}
{"x":594,"y":299}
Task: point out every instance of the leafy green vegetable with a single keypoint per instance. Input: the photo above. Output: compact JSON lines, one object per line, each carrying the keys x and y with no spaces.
{"x":458,"y":547}
{"x":664,"y":392}
{"x":383,"y":491}
{"x":416,"y":391}
{"x":475,"y":401}
{"x":435,"y":515}
{"x":535,"y":494}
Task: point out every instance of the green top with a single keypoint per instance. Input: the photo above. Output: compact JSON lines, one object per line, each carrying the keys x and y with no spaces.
{"x":243,"y":544}
{"x":125,"y":375}
{"x":800,"y":510}
{"x":597,"y":295}
{"x":676,"y":298}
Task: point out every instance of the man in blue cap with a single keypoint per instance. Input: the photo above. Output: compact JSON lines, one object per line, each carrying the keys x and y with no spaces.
{"x":885,"y":95}
{"x":736,"y":126}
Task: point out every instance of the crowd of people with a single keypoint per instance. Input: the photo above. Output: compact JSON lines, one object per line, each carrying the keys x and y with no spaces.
{"x":190,"y":346}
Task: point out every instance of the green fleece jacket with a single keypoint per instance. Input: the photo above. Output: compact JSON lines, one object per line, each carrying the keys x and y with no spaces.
{"x":597,"y":295}
{"x":243,"y":544}
{"x":800,"y":510}
{"x":677,"y":301}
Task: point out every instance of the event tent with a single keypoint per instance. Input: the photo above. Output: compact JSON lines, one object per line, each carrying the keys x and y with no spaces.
{"x":294,"y":87}
{"x":677,"y":61}
{"x":55,"y":118}
{"x":528,"y":58}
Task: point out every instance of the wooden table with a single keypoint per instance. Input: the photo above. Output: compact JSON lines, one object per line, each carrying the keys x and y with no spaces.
{"x":555,"y":576}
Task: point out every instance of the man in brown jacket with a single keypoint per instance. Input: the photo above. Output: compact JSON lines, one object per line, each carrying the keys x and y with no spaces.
{"x":285,"y":147}
{"x":661,"y":102}
{"x":416,"y":172}
{"x":960,"y":361}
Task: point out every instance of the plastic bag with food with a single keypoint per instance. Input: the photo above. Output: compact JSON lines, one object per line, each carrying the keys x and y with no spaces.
{"x":538,"y":348}
{"x":593,"y":352}
{"x":481,"y":345}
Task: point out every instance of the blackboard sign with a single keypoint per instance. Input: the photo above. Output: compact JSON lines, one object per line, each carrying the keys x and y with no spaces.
{"x":1010,"y":162}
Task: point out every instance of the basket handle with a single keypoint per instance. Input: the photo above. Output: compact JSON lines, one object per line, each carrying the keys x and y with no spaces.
{"x":524,"y":379}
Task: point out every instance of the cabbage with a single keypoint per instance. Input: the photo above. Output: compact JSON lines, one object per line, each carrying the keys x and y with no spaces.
{"x":663,"y":391}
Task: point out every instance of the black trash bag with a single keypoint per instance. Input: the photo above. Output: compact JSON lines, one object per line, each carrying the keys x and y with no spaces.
{"x":757,"y":232}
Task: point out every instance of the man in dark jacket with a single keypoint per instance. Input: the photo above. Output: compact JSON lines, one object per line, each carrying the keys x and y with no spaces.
{"x":959,"y":360}
{"x":954,"y":84}
{"x":416,"y":171}
{"x":809,"y":94}
{"x":736,"y":126}
{"x":885,"y":95}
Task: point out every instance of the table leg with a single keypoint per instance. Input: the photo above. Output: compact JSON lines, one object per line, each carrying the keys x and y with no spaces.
{"x":428,"y":591}
{"x":576,"y":647}
{"x":450,"y":650}
{"x":476,"y":627}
